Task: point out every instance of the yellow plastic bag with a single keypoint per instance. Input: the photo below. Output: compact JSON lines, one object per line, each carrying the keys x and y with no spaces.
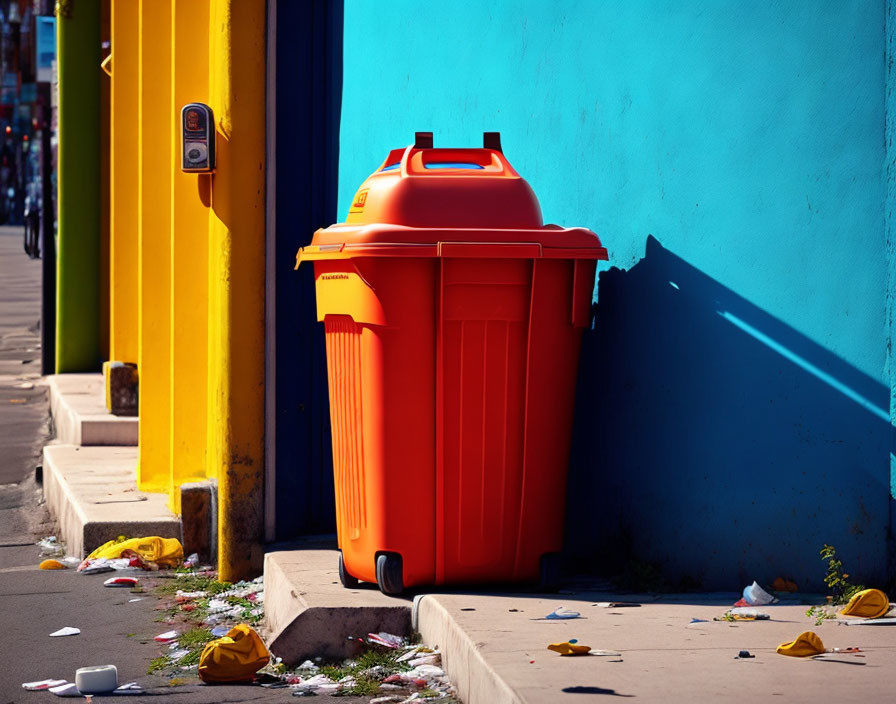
{"x":163,"y":551}
{"x":108,"y":544}
{"x":234,"y":658}
{"x":868,"y":603}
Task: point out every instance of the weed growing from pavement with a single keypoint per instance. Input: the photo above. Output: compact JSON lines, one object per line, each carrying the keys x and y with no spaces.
{"x":836,"y":579}
{"x":820,"y":614}
{"x":195,"y":638}
{"x":838,"y":582}
{"x":194,"y":641}
{"x":195,"y":612}
{"x":158,"y":665}
{"x":360,"y":670}
{"x":189,"y":582}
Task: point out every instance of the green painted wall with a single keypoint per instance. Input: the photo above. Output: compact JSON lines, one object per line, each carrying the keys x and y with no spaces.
{"x":78,"y":246}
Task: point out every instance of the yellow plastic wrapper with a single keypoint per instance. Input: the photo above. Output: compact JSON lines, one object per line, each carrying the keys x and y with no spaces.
{"x":166,"y":552}
{"x":806,"y":644}
{"x":52,"y":565}
{"x":868,"y":603}
{"x":570,"y":648}
{"x":234,"y":658}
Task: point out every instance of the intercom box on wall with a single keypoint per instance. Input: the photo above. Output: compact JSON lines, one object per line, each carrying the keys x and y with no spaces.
{"x":198,"y":138}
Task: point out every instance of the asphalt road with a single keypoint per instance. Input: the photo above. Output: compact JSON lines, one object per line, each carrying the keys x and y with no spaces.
{"x":34,"y":602}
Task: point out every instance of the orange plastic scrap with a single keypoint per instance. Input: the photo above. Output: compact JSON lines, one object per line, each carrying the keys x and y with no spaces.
{"x":52,"y":565}
{"x":784,"y":585}
{"x":235,"y":657}
{"x":868,"y":603}
{"x":805,"y":645}
{"x":570,"y":648}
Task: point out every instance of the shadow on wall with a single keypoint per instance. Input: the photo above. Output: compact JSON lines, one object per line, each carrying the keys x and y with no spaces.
{"x":719,"y":443}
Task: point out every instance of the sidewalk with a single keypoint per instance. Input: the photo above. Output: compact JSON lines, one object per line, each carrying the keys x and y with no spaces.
{"x":494,"y":644}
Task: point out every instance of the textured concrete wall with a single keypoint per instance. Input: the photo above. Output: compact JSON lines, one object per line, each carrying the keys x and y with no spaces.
{"x":733,"y":410}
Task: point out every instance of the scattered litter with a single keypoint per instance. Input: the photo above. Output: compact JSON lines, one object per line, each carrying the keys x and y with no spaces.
{"x":167,"y":637}
{"x":139,"y":598}
{"x":153,"y":549}
{"x":387,"y":640}
{"x":867,"y":622}
{"x":235,"y":657}
{"x":42,"y":684}
{"x":219,"y":631}
{"x":755,"y":595}
{"x":95,"y":566}
{"x":192,"y":560}
{"x":743,"y":613}
{"x":846,"y":650}
{"x":804,"y":645}
{"x":69,"y":689}
{"x":743,"y":655}
{"x":868,"y":603}
{"x":121,"y":582}
{"x":615,"y":604}
{"x":605,"y":653}
{"x":50,"y":547}
{"x":562,"y":613}
{"x":383,"y":700}
{"x":699,"y":620}
{"x":569,"y":648}
{"x":52,"y":564}
{"x":177,"y":654}
{"x":190,"y":595}
{"x":129,"y":688}
{"x":67,"y":631}
{"x":468,"y":608}
{"x":99,"y":679}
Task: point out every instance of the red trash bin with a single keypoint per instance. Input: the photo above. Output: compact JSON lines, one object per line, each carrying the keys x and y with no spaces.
{"x":453,"y":321}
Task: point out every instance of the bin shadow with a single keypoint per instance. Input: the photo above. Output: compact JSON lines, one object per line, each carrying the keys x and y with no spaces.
{"x":716,"y":445}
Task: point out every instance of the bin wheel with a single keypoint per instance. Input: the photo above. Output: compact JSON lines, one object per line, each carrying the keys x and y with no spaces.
{"x":348,"y":581}
{"x":388,"y":573}
{"x":549,"y":579}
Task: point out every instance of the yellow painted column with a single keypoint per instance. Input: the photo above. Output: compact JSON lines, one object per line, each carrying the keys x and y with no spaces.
{"x":123,"y":183}
{"x":236,"y":284}
{"x":154,"y":218}
{"x":189,"y":257}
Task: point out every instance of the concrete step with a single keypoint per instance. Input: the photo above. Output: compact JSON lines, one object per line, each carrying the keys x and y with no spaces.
{"x":92,"y":493}
{"x":308,"y":613}
{"x":78,"y":405}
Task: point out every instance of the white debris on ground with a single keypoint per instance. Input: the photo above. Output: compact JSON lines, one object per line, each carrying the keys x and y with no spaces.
{"x":390,"y":671}
{"x":413,"y":676}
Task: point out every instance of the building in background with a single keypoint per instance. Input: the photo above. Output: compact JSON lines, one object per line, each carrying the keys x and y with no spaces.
{"x":734,"y":397}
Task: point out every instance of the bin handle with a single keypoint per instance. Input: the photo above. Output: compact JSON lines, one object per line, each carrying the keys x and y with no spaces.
{"x":489,"y":158}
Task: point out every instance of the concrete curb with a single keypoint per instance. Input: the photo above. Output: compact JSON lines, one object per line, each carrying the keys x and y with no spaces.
{"x":77,"y":403}
{"x":476,"y":681}
{"x":92,"y":493}
{"x":308,"y":613}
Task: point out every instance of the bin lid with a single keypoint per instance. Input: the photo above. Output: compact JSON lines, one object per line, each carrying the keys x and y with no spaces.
{"x":424,"y":201}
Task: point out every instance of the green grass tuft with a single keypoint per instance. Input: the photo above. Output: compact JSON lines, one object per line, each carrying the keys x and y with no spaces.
{"x":158,"y":665}
{"x":193,"y":583}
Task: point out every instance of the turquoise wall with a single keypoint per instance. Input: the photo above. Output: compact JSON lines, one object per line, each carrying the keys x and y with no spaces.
{"x":733,"y":420}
